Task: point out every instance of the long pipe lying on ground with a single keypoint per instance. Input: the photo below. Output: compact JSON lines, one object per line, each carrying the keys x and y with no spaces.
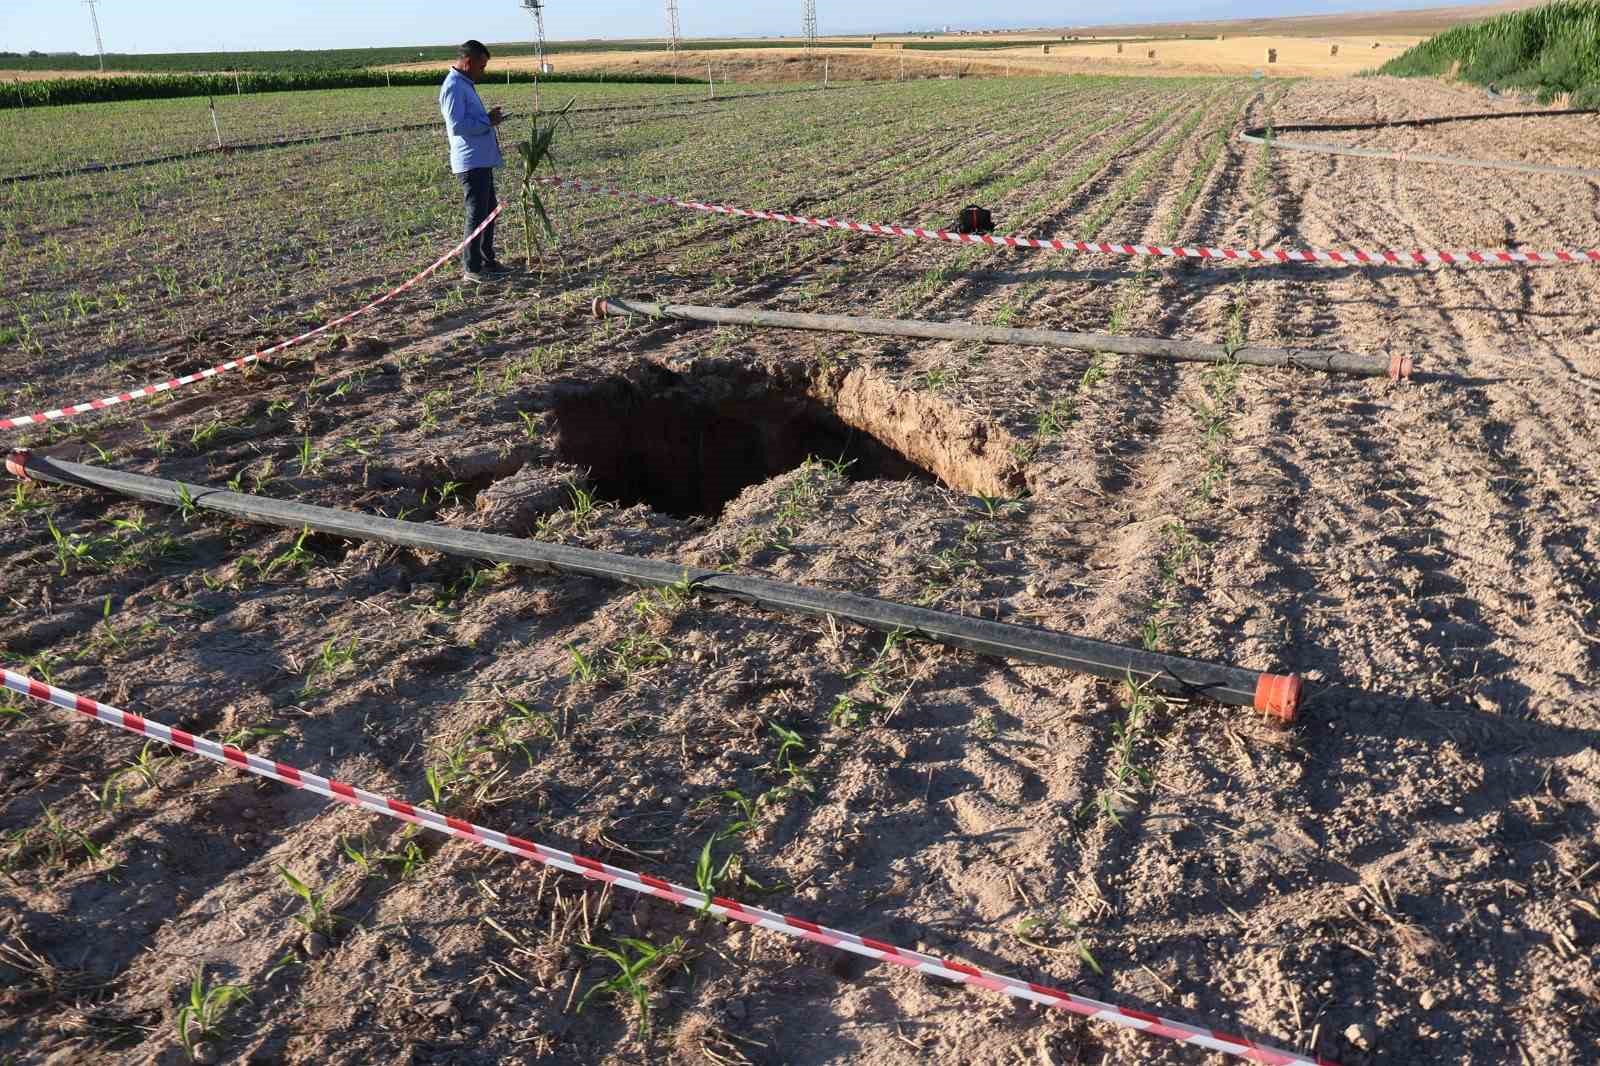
{"x":1277,"y":695}
{"x":1273,"y":135}
{"x":1396,"y":367}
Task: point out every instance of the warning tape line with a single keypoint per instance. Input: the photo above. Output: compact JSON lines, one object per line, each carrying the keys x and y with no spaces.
{"x":644,"y":884}
{"x":18,"y":420}
{"x":1346,"y":257}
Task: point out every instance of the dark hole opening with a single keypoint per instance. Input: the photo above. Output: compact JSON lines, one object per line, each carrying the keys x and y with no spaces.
{"x":687,"y":448}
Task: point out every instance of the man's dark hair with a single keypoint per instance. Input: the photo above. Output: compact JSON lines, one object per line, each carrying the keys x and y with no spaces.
{"x":472,"y":50}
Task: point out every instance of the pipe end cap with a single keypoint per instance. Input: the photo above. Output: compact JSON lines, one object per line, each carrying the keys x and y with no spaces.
{"x":1278,"y":696}
{"x":17,"y":465}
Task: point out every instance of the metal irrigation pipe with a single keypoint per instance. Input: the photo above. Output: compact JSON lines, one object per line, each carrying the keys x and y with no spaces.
{"x":1277,"y":695}
{"x":1270,"y":134}
{"x":1396,"y":367}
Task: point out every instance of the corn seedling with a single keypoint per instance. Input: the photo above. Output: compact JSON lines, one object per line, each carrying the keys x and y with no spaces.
{"x":582,"y":669}
{"x":527,"y":721}
{"x":998,"y":506}
{"x":332,"y":657}
{"x":187,"y":508}
{"x":583,"y":507}
{"x":108,"y":631}
{"x":706,"y":873}
{"x":243,"y":738}
{"x":746,"y":809}
{"x":23,"y":501}
{"x":791,"y":748}
{"x":201,"y":436}
{"x":308,"y":459}
{"x":74,"y":549}
{"x":12,"y":712}
{"x":1029,"y":929}
{"x":846,"y":713}
{"x":316,"y":917}
{"x":200,"y":1019}
{"x":1053,"y":419}
{"x":297,"y":556}
{"x":60,"y":839}
{"x":634,"y":653}
{"x":1127,"y":778}
{"x":635,"y":959}
{"x":371,"y":862}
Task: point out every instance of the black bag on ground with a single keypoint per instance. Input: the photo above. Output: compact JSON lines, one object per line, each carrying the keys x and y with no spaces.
{"x":973,"y":219}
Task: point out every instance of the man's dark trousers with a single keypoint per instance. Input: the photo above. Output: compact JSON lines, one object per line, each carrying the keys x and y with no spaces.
{"x":479,"y":186}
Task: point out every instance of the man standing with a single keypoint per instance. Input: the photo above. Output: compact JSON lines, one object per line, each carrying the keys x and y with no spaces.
{"x":474,"y":153}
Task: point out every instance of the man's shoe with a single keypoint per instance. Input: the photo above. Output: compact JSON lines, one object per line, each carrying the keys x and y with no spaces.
{"x":497,"y":269}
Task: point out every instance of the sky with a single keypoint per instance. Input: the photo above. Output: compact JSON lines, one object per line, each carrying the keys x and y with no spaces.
{"x":210,"y":26}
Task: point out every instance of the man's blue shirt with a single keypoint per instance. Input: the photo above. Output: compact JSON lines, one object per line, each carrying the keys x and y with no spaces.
{"x":473,"y":143}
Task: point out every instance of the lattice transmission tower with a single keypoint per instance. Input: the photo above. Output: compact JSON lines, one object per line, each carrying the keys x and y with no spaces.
{"x":808,"y":25}
{"x":99,"y":45}
{"x":536,"y":9}
{"x":672,"y":36}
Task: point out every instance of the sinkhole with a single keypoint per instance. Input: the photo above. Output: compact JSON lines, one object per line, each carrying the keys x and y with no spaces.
{"x":688,"y":444}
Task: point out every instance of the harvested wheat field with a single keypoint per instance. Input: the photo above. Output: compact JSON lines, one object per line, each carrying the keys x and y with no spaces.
{"x":1174,"y":57}
{"x":1294,"y":56}
{"x":1407,"y":872}
{"x":764,"y":66}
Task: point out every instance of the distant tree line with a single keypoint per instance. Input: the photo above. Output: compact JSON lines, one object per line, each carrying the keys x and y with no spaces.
{"x":166,"y":86}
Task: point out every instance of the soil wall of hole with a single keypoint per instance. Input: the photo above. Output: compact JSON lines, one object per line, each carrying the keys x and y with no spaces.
{"x":961,"y":450}
{"x":687,"y":440}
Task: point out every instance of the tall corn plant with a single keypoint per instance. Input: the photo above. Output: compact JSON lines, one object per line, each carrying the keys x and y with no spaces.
{"x":537,"y":149}
{"x":1553,"y":49}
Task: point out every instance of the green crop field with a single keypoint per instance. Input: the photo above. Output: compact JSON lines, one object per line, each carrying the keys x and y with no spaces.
{"x":1550,"y":50}
{"x":58,"y":138}
{"x":394,"y":200}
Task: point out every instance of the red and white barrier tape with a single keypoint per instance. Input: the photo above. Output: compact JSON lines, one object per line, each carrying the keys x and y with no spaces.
{"x":644,"y":884}
{"x":1348,"y":257}
{"x":18,"y":420}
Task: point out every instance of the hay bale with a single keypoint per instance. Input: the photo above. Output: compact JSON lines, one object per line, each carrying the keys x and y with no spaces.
{"x":1272,"y":55}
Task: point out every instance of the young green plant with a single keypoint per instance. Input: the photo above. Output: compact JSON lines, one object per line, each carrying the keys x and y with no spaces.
{"x":537,"y":149}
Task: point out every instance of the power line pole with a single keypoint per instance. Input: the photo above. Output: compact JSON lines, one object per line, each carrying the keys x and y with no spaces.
{"x":536,"y":9}
{"x":672,"y":37}
{"x":808,"y":25}
{"x":99,"y":45}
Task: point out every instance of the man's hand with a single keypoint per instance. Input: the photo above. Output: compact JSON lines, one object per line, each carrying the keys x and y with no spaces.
{"x":495,"y":117}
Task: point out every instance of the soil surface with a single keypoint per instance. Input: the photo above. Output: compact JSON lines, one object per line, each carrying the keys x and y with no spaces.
{"x":1410,"y":873}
